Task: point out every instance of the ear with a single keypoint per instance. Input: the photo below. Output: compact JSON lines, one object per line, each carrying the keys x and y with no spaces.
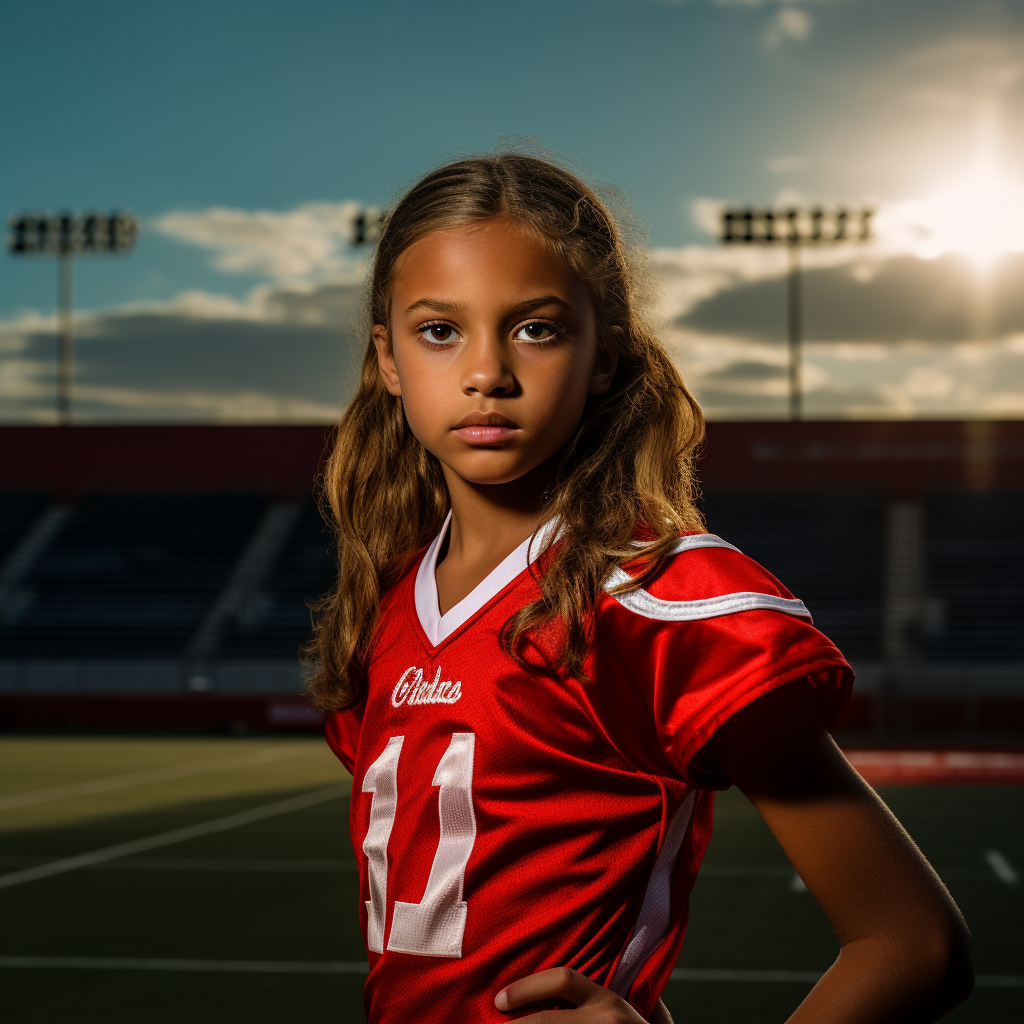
{"x":386,"y":360}
{"x":605,"y":366}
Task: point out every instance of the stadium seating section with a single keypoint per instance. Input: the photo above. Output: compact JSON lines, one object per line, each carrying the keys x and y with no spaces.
{"x":128,"y":575}
{"x":975,"y":544}
{"x":826,"y":547}
{"x":276,"y":621}
{"x":134,"y":575}
{"x":17,"y":513}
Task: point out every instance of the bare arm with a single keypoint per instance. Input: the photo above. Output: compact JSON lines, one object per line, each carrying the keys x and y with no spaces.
{"x":905,"y":949}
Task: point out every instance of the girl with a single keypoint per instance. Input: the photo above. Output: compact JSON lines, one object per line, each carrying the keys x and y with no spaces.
{"x":540,"y":667}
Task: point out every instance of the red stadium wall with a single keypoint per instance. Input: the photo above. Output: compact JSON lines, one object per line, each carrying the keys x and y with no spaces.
{"x":903,"y":458}
{"x":68,"y":461}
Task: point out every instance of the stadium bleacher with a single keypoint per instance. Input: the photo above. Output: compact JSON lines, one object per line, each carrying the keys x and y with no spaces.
{"x":826,"y":547}
{"x":275,"y":622}
{"x":128,"y":575}
{"x":975,"y":574}
{"x":17,"y":513}
{"x":181,"y":561}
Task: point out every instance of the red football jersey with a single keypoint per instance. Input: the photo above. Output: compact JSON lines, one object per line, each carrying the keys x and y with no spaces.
{"x":509,"y":821}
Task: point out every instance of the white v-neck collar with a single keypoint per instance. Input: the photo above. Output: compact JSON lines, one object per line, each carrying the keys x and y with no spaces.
{"x":439,"y":627}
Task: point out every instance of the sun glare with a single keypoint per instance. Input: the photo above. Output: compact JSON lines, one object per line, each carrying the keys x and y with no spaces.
{"x":981,"y":217}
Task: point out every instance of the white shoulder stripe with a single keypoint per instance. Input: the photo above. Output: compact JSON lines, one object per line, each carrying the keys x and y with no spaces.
{"x":650,"y":607}
{"x":694,"y":541}
{"x":701,"y":540}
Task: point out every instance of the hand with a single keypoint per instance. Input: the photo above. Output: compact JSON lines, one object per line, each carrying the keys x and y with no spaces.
{"x":594,"y":1003}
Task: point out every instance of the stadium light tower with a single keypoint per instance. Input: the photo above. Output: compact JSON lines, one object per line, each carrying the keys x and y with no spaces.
{"x":795,"y":228}
{"x":66,"y":235}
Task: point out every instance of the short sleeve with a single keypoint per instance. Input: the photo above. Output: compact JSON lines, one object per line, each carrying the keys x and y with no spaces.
{"x":342,"y":735}
{"x":713,"y":632}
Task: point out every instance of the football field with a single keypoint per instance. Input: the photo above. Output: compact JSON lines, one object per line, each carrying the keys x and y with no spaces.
{"x":201,"y":881}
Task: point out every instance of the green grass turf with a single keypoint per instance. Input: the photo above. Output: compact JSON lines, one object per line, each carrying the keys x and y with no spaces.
{"x":142,"y":908}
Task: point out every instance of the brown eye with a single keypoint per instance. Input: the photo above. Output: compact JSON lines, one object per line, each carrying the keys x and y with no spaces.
{"x":438,"y":334}
{"x":536,"y":330}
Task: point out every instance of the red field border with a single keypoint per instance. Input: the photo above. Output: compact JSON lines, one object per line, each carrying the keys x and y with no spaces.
{"x":938,"y":767}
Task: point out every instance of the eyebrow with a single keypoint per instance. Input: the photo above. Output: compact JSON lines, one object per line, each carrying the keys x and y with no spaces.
{"x":440,"y":306}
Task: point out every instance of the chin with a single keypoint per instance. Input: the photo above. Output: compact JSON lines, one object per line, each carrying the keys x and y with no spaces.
{"x":496,"y":480}
{"x":484,"y":476}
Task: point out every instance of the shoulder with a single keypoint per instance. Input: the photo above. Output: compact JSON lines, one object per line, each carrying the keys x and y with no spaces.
{"x":705,"y":577}
{"x":711,"y":632}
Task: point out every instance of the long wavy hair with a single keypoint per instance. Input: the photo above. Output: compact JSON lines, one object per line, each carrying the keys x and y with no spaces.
{"x":626,"y":474}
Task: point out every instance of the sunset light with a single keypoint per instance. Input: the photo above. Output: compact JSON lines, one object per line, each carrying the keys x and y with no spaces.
{"x":981,"y":217}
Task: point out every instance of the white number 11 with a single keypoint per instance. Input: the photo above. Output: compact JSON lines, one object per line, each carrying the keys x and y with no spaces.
{"x":434,"y":926}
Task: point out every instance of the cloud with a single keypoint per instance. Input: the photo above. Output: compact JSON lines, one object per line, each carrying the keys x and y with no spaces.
{"x":308,"y":243}
{"x":788,"y":23}
{"x":693,"y":274}
{"x":283,"y":355}
{"x":889,"y":334}
{"x":909,"y":337}
{"x":901,"y":298}
{"x":736,"y":379}
{"x":707,"y":214}
{"x":770,"y":3}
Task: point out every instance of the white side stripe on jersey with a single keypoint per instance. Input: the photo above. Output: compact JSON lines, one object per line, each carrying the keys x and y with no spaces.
{"x":651,"y":607}
{"x":653,"y":920}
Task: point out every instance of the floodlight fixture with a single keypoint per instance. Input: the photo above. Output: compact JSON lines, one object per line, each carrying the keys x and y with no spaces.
{"x":66,"y":235}
{"x":795,"y":228}
{"x":366,"y":225}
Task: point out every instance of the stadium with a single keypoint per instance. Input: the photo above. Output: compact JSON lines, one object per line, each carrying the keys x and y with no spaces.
{"x":156,"y":581}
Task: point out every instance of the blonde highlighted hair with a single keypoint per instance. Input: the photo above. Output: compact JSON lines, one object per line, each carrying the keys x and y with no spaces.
{"x":627,"y":473}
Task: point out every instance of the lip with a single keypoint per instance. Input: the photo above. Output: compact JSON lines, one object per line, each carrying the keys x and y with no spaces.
{"x":485,"y":428}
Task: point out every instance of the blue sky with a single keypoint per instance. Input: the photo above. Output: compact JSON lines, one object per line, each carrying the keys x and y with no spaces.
{"x":173,"y":109}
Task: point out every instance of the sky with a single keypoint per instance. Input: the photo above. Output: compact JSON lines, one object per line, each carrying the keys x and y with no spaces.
{"x":243,"y":133}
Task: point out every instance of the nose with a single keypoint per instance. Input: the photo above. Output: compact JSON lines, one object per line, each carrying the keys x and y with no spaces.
{"x":487,"y":370}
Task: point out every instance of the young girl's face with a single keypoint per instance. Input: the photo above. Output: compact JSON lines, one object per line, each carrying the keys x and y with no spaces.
{"x":493,"y":348}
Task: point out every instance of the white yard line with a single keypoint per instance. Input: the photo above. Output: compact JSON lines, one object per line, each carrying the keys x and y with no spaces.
{"x":797,"y":885}
{"x":183,"y":770}
{"x":201,"y":864}
{"x":746,"y":871}
{"x":114,"y":963}
{"x":810,"y":977}
{"x":178,"y":835}
{"x":1001,"y":867}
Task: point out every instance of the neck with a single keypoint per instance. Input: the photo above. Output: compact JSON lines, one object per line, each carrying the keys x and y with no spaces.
{"x":494,"y":519}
